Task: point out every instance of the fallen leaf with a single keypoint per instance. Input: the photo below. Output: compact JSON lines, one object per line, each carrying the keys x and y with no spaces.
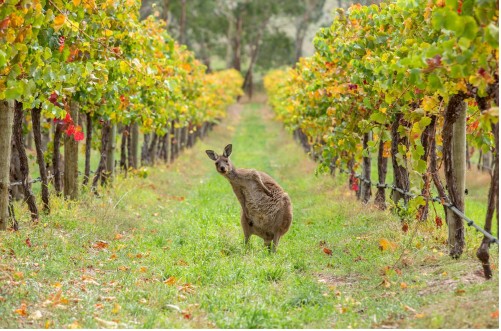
{"x":170,"y":281}
{"x":18,"y":275}
{"x":405,"y":227}
{"x":21,"y":310}
{"x":419,"y":316}
{"x":118,"y":236}
{"x":113,"y":256}
{"x":187,"y":315}
{"x":409,"y":308}
{"x":386,"y":283}
{"x":460,"y":291}
{"x":100,"y":244}
{"x":385,"y":244}
{"x":327,"y":251}
{"x":28,"y":242}
{"x":123,"y":268}
{"x":143,"y":269}
{"x":403,"y":285}
{"x":495,"y":314}
{"x":116,"y":308}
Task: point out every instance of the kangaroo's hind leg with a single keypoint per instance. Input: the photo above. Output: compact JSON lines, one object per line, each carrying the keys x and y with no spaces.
{"x":246,"y":226}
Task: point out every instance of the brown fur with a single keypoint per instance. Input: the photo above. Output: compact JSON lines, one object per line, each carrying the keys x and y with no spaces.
{"x":266,"y":207}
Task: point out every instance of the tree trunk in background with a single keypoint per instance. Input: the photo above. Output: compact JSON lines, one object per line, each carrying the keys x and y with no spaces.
{"x":144,"y":150}
{"x":56,"y":155}
{"x":182,"y":24}
{"x":254,"y":51}
{"x":6,"y":122}
{"x":123,"y":148}
{"x":37,"y":134}
{"x":101,"y":169}
{"x":70,"y":175}
{"x":135,"y":145}
{"x":110,"y":151}
{"x":130,"y":158}
{"x":486,"y":162}
{"x":88,"y":147}
{"x":165,"y":15}
{"x":152,"y":151}
{"x":454,"y":150}
{"x":382,"y":166}
{"x":236,"y":43}
{"x":400,"y":173}
{"x":168,"y":146}
{"x":365,"y":188}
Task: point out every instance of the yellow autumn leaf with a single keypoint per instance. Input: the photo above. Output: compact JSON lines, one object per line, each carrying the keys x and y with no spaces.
{"x":385,"y":244}
{"x":76,"y":2}
{"x":16,"y":20}
{"x":116,"y":308}
{"x":108,"y":33}
{"x":59,"y":21}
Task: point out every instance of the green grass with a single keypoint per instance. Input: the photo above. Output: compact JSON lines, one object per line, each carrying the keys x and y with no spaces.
{"x":174,"y":254}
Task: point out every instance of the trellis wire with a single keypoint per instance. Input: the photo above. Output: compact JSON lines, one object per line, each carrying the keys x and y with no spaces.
{"x":450,"y":206}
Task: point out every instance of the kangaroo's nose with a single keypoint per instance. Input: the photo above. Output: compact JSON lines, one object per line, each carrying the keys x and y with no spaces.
{"x":223,"y":169}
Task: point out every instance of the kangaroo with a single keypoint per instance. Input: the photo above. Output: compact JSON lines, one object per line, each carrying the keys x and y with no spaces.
{"x":266,"y":207}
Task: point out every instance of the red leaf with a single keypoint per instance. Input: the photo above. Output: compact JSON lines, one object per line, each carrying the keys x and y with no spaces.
{"x":70,"y":130}
{"x":28,"y":242}
{"x":405,"y":227}
{"x":5,"y":23}
{"x":68,"y":119}
{"x":78,"y":136}
{"x":327,"y":251}
{"x":438,"y":222}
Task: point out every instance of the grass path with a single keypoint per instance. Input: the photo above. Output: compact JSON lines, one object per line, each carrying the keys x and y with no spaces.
{"x":167,"y":251}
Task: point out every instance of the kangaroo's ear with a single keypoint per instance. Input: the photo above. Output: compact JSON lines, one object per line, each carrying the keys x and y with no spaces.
{"x":227,"y":151}
{"x":212,"y":155}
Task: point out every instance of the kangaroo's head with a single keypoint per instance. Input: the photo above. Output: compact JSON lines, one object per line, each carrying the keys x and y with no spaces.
{"x":223,"y":163}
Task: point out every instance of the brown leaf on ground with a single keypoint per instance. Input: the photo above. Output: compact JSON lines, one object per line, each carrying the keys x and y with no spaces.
{"x":21,"y":310}
{"x":327,"y":251}
{"x":100,"y":244}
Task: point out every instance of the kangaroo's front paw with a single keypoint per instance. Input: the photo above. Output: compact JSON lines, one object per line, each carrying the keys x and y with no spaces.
{"x":268,"y":192}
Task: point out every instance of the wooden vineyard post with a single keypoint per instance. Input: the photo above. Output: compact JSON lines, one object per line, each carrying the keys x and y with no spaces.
{"x":365,"y":187}
{"x":382,"y":166}
{"x":400,"y":173}
{"x":6,"y":122}
{"x":70,"y":176}
{"x":454,"y":151}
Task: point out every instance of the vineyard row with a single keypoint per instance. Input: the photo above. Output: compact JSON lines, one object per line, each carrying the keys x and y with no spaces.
{"x":413,"y":82}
